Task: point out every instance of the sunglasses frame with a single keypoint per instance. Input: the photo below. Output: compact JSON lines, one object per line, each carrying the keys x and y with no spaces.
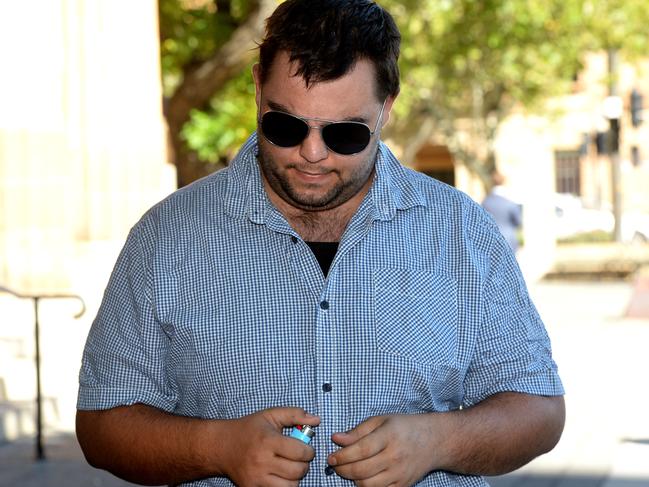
{"x":323,"y":123}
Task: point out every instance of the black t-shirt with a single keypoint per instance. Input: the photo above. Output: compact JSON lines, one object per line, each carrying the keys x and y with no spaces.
{"x":324,"y":252}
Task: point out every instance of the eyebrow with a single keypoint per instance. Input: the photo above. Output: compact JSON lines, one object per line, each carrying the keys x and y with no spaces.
{"x":278,"y":107}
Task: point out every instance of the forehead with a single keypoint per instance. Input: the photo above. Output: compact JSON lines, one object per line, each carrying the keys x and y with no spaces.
{"x":350,"y":95}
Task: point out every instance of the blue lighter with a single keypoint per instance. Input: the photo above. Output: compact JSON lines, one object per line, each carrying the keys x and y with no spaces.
{"x":303,"y":432}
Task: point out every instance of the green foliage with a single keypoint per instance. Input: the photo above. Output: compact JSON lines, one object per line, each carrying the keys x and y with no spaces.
{"x":502,"y":51}
{"x":468,"y":64}
{"x":191,"y":32}
{"x":190,"y":35}
{"x":462,"y":60}
{"x":616,"y":24}
{"x":215,"y":134}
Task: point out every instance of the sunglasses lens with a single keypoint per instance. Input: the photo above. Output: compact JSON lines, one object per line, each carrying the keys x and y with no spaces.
{"x":283,"y":130}
{"x":346,"y":137}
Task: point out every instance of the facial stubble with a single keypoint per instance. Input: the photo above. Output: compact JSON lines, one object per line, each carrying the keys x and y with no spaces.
{"x":336,"y":195}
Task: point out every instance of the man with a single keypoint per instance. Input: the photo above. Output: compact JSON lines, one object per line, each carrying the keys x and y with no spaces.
{"x":505,"y":212}
{"x":405,"y":337}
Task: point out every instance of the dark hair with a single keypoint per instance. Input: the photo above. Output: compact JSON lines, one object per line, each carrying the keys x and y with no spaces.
{"x":327,"y":37}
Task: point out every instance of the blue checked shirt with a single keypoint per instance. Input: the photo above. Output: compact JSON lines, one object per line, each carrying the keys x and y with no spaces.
{"x":217,"y":308}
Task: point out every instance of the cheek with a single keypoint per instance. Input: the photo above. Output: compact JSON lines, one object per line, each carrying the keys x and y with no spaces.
{"x":275,"y":158}
{"x":360,"y":168}
{"x":267,"y":158}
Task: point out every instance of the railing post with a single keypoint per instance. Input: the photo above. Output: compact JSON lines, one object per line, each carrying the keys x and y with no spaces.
{"x":36,"y":298}
{"x":40,"y":453}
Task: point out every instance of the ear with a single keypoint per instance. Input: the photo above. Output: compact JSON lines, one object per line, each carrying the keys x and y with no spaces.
{"x":256,"y":75}
{"x":389,"y":101}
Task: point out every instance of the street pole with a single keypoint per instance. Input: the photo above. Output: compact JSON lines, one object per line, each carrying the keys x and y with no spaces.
{"x":614,"y":147}
{"x":40,"y":452}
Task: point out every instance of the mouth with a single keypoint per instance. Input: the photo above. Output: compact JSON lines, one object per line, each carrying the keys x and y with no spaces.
{"x":310,"y":170}
{"x":311,"y":175}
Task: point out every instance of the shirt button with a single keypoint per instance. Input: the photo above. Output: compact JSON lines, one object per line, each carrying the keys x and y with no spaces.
{"x":326,"y":387}
{"x":329,"y":470}
{"x":324,"y":305}
{"x":293,"y":239}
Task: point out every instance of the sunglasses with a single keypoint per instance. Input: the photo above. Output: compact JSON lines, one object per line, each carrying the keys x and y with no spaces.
{"x":343,"y":137}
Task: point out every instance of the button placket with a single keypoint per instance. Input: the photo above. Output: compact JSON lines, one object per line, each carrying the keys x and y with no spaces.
{"x":327,"y":376}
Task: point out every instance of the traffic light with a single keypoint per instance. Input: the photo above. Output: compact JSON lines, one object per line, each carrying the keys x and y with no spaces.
{"x":636,"y":159}
{"x":600,"y":143}
{"x":614,"y":136}
{"x":636,"y":108}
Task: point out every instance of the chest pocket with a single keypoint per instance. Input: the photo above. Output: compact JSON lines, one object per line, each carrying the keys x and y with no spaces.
{"x":416,"y":315}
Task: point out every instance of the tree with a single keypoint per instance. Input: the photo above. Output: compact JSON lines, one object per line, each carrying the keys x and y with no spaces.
{"x":616,"y":24}
{"x":619,"y":28}
{"x":206,"y":47}
{"x":467,"y":65}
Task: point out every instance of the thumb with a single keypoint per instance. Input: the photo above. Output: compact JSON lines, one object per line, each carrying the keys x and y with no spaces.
{"x":353,"y":435}
{"x":287,"y":417}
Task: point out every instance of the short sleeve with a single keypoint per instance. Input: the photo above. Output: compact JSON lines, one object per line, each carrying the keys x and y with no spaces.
{"x":513,"y":351}
{"x":124,"y":360}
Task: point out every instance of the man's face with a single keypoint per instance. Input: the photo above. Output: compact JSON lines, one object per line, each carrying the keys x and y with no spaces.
{"x":310,"y":176}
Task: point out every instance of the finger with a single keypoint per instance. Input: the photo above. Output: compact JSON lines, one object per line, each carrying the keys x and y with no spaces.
{"x":361,"y":450}
{"x":343,"y":439}
{"x":293,"y":449}
{"x":383,"y":479}
{"x":275,"y":481}
{"x":290,"y":470}
{"x":364,"y":469}
{"x":285,"y":417}
{"x":360,"y":431}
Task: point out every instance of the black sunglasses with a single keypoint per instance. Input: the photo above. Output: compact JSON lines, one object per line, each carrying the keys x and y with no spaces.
{"x":342,"y":137}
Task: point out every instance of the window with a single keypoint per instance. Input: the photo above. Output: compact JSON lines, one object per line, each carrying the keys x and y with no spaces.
{"x":567,"y":173}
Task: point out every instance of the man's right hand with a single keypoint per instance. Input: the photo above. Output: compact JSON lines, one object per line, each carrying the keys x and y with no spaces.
{"x":257,"y":453}
{"x":147,"y":446}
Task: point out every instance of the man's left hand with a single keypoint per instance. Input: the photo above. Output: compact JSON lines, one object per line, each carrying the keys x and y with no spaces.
{"x":384,"y":451}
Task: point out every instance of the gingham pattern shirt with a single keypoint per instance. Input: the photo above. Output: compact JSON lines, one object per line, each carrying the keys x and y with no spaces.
{"x":217,"y":308}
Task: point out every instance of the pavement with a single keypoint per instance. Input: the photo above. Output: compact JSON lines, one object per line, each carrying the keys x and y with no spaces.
{"x":603,"y":362}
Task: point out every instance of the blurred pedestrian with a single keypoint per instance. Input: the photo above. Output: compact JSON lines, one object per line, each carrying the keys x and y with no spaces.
{"x":506,"y":212}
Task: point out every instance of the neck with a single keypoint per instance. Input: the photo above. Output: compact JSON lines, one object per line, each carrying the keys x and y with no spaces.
{"x":322,"y":226}
{"x":319,"y":226}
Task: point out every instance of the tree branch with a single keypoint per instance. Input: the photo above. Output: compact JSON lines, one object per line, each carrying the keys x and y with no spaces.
{"x":202,"y":82}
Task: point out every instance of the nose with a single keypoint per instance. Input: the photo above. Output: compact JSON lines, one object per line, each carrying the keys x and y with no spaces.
{"x":313,"y":148}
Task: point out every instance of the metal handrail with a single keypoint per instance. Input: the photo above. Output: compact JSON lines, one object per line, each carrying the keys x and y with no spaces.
{"x":40,"y":451}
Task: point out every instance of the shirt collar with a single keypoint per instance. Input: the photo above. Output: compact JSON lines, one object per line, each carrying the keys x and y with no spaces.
{"x":393,"y":188}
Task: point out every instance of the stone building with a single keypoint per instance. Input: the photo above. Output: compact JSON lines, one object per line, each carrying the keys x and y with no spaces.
{"x":82,"y":156}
